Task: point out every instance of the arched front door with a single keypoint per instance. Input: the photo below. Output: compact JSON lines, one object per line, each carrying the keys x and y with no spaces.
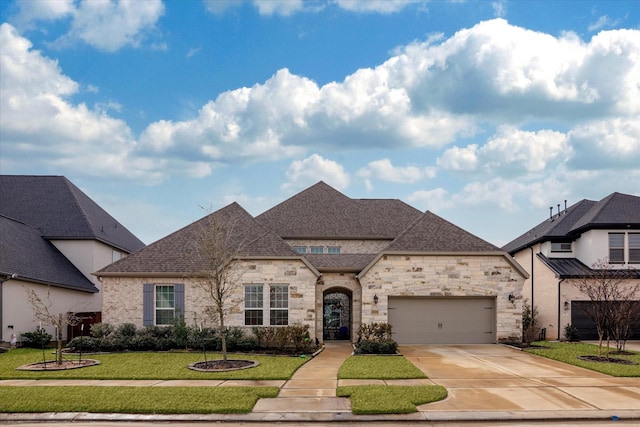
{"x":337,"y":315}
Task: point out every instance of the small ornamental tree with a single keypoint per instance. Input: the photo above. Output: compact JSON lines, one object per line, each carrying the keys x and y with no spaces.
{"x":217,"y":246}
{"x":530,"y":327}
{"x":42,"y":309}
{"x":612,"y":302}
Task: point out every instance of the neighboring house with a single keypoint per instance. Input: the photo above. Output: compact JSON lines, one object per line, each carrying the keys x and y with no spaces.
{"x":52,"y":237}
{"x":333,"y":263}
{"x":565,"y":247}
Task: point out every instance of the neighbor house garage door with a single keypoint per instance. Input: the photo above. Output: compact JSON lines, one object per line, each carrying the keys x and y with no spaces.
{"x":417,"y":320}
{"x":587,"y":327}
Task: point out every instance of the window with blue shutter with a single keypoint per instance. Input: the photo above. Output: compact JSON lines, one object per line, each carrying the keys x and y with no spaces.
{"x":161,"y":303}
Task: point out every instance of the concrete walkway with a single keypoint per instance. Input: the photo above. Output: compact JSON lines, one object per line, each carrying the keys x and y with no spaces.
{"x":485,"y":383}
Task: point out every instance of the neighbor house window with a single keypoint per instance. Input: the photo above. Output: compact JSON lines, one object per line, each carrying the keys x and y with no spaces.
{"x":333,"y":249}
{"x":560,"y":246}
{"x":634,"y":248}
{"x":616,"y":248}
{"x":300,"y":249}
{"x":317,"y":249}
{"x":115,"y":256}
{"x":266,"y":308}
{"x":253,"y":305}
{"x":278,"y":305}
{"x":162,"y":303}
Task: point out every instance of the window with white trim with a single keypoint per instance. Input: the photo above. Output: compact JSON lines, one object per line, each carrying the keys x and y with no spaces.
{"x":253,"y":305}
{"x":560,"y":246}
{"x":266,"y":304}
{"x":634,"y":248}
{"x":165,"y":305}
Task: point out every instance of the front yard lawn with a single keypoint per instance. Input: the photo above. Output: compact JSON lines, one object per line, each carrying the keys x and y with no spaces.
{"x":133,"y":400}
{"x":385,"y":399}
{"x":568,"y":352}
{"x":379,"y":367}
{"x":148,"y":366}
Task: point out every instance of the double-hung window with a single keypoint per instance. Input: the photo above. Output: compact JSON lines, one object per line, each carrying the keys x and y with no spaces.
{"x":616,"y":248}
{"x":266,"y":304}
{"x":634,"y":248}
{"x":162,"y":303}
{"x":253,"y":305}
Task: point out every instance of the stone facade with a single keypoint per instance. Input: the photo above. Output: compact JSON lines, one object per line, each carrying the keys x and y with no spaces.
{"x":446,"y":276}
{"x":123,"y":297}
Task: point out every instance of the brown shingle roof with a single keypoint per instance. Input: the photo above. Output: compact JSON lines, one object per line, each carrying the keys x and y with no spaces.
{"x":320,"y":211}
{"x":171,"y":254}
{"x":431,"y":233}
{"x":340,"y":263}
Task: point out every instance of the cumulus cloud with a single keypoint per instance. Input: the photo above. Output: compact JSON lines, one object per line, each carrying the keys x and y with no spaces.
{"x":105,"y":25}
{"x":384,"y":170}
{"x":265,"y":7}
{"x":510,"y":151}
{"x":302,"y":173}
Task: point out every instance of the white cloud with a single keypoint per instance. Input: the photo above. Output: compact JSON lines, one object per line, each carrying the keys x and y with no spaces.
{"x":375,"y":6}
{"x":603,"y":22}
{"x":106,"y":25}
{"x":459,"y":159}
{"x":302,"y":173}
{"x":499,"y":8}
{"x":219,"y":7}
{"x":384,"y":170}
{"x":278,"y":7}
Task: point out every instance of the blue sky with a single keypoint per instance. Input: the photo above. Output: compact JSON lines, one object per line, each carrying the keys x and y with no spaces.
{"x":483,"y":112}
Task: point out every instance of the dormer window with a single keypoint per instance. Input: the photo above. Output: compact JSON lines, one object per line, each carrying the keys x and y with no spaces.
{"x":560,"y":246}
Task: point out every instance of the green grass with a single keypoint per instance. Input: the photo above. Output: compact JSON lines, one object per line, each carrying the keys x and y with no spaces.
{"x":147,"y":366}
{"x":378,"y":367}
{"x":568,"y":353}
{"x":383,"y":399}
{"x":134,"y":400}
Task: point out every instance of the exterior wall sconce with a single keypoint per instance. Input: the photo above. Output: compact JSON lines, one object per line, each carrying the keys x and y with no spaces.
{"x":375,"y":298}
{"x":512,"y":298}
{"x":566,"y":305}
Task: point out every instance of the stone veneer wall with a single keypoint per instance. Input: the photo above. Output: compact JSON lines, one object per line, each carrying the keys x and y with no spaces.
{"x":446,"y":276}
{"x":346,"y":246}
{"x":122,"y":296}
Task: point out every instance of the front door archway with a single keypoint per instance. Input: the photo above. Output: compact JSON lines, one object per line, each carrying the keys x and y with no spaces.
{"x":336,"y":310}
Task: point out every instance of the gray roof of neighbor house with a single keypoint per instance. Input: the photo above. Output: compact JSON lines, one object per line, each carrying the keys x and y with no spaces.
{"x":176,"y":253}
{"x":431,"y":233}
{"x":25,"y":253}
{"x":60,"y":210}
{"x":572,"y":268}
{"x":320,"y":211}
{"x":616,"y":211}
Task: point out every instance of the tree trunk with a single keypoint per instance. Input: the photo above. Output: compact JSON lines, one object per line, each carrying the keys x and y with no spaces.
{"x":223,"y":334}
{"x":59,"y":339}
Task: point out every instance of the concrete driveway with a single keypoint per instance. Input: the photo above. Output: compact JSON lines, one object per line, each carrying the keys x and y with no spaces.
{"x":500,"y":378}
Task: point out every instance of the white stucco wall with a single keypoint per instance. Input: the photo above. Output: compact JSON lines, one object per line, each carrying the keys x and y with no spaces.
{"x":594,"y":246}
{"x":17,"y":311}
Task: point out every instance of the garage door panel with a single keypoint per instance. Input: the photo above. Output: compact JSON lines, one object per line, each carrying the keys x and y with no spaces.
{"x":417,"y":320}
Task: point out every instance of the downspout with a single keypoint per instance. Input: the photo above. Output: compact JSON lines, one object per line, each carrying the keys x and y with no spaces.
{"x":532,"y":292}
{"x":559,"y":283}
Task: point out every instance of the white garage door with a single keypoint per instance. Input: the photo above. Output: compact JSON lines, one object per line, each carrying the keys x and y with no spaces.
{"x":417,"y":320}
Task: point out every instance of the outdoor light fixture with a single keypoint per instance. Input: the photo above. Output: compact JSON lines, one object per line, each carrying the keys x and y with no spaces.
{"x":375,"y":299}
{"x":512,"y":298}
{"x":566,"y":305}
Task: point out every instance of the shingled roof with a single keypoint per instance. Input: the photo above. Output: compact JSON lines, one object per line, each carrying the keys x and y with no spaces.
{"x":44,"y":263}
{"x":321,"y":211}
{"x":614,"y":211}
{"x":60,"y":210}
{"x":431,"y":233}
{"x":174,"y":254}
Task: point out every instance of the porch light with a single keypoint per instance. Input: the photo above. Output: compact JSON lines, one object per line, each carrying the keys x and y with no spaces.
{"x":512,"y":298}
{"x":566,"y":305}
{"x":375,"y":299}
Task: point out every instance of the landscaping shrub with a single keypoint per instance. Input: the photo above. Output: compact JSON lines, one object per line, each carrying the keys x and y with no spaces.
{"x":86,"y":344}
{"x":530,"y":326}
{"x":35,"y":339}
{"x":571,"y":333}
{"x":375,"y":338}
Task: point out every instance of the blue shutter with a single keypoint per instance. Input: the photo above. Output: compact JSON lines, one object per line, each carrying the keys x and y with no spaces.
{"x":147,"y":305}
{"x":178,"y":295}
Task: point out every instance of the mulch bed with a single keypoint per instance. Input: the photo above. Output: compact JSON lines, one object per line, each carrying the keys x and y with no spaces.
{"x":603,"y":359}
{"x":219,"y":365}
{"x":51,"y":365}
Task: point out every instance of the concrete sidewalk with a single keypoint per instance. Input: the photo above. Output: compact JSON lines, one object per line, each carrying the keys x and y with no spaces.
{"x":484,"y":382}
